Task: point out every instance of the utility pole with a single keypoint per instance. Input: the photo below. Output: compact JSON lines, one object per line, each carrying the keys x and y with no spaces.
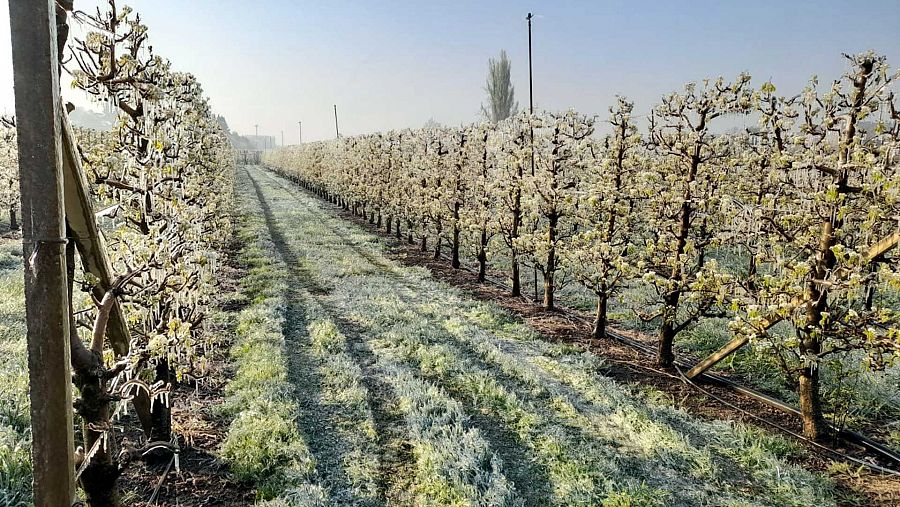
{"x":530,"y":78}
{"x":337,"y":131}
{"x":300,"y":125}
{"x":530,"y":120}
{"x":38,"y":123}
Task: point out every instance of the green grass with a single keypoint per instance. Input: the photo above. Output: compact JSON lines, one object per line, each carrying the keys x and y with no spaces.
{"x":534,"y":422}
{"x":263,"y":445}
{"x":15,"y":441}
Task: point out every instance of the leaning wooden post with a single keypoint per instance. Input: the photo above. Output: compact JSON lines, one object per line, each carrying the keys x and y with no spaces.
{"x":36,"y":79}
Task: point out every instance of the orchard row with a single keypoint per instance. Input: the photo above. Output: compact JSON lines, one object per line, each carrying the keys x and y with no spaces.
{"x":784,"y":228}
{"x":162,"y":179}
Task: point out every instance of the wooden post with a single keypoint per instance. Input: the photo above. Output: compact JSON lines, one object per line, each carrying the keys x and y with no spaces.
{"x":87,"y":236}
{"x":871,"y":255}
{"x":36,"y":79}
{"x":717,"y":356}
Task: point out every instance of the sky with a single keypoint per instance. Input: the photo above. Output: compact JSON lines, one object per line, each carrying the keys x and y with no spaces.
{"x":397,"y":64}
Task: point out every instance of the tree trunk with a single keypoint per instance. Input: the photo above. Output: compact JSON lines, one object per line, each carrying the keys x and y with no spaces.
{"x":378,"y":222}
{"x":409,"y":232}
{"x":665,"y":355}
{"x":599,"y":331}
{"x":482,"y":257}
{"x":161,"y":415}
{"x":516,"y":222}
{"x":424,"y":241}
{"x":437,"y":242}
{"x":551,"y":265}
{"x":397,"y":222}
{"x":454,"y":258}
{"x":814,"y":426}
{"x":13,"y":222}
{"x":100,"y":475}
{"x":516,"y":276}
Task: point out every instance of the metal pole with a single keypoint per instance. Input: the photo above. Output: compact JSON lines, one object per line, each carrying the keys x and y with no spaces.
{"x":530,"y":79}
{"x":531,"y":128}
{"x":300,"y":124}
{"x":337,"y":131}
{"x":36,"y":81}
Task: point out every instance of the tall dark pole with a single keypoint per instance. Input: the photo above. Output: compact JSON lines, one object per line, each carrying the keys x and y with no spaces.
{"x":531,"y":127}
{"x":337,"y":131}
{"x":300,"y":125}
{"x":530,"y":78}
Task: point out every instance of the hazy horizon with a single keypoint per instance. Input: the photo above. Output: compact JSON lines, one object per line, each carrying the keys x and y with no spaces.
{"x":398,"y":64}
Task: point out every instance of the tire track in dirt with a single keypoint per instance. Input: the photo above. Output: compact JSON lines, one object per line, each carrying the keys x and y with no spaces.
{"x":394,"y":450}
{"x":530,"y":478}
{"x":312,"y":416}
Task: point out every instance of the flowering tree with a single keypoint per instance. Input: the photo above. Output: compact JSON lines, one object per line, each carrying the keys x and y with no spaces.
{"x":682,"y":217}
{"x":825,"y":227}
{"x":478,"y":217}
{"x":9,"y":174}
{"x":601,"y":254}
{"x":561,"y":158}
{"x":164,"y":173}
{"x":512,"y":146}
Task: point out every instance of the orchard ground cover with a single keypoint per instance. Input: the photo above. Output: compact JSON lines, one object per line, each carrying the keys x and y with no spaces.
{"x":854,"y":396}
{"x":15,"y":441}
{"x":408,"y":391}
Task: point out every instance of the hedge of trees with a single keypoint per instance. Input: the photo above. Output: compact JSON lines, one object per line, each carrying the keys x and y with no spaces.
{"x":162,"y":180}
{"x":799,"y":200}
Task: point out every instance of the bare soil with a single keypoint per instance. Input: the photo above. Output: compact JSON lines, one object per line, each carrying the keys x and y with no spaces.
{"x":202,"y":480}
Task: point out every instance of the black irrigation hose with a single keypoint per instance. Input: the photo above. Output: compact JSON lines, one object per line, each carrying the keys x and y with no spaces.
{"x":162,"y":479}
{"x":862,"y":440}
{"x":819,"y":447}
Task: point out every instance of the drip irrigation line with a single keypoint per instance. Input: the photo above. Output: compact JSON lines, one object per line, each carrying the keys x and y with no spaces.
{"x":162,"y":479}
{"x":819,"y":447}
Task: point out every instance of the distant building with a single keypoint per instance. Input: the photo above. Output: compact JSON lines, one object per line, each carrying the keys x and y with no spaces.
{"x":262,"y":142}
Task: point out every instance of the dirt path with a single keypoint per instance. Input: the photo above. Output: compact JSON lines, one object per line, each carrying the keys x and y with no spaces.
{"x":530,"y":479}
{"x":537,"y":423}
{"x":316,"y":418}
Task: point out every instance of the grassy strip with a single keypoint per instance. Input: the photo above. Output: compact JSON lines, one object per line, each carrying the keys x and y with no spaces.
{"x":600,"y":444}
{"x":15,"y":421}
{"x":344,"y":392}
{"x":263,"y":444}
{"x":670,"y":436}
{"x":454,"y":465}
